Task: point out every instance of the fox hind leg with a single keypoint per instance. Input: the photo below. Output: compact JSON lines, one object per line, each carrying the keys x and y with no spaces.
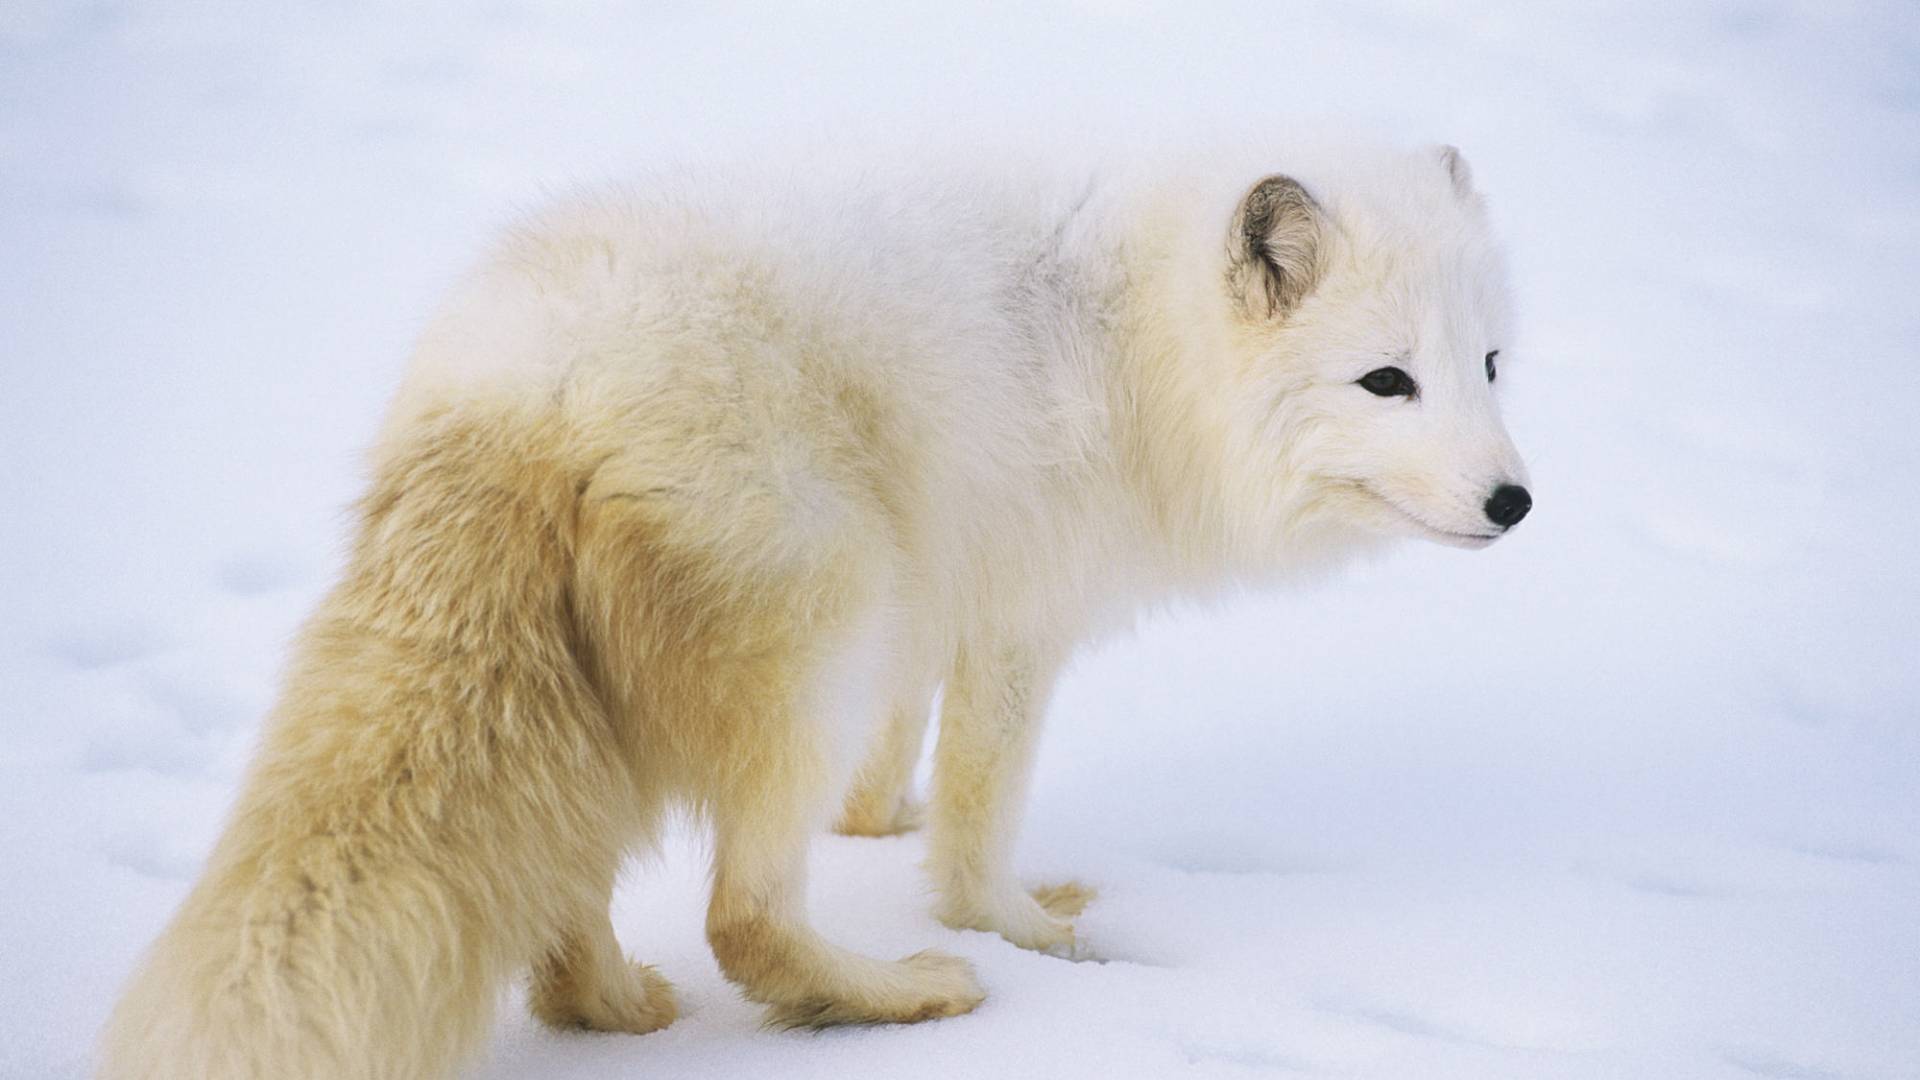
{"x":584,"y":980}
{"x":881,"y":801}
{"x":756,"y":921}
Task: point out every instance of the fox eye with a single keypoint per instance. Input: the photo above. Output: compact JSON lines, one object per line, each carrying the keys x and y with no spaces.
{"x":1389,"y":382}
{"x":1492,"y":372}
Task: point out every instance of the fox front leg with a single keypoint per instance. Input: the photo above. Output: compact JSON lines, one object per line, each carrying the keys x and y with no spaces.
{"x":989,"y":727}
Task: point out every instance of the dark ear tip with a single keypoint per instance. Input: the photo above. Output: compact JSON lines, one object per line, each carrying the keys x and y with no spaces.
{"x":1271,"y":202}
{"x":1457,"y":169}
{"x":1278,"y":190}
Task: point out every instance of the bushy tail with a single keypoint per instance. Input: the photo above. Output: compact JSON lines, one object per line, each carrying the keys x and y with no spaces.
{"x":437,"y":792}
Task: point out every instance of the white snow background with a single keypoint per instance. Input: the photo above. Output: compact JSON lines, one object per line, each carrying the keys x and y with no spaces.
{"x":1632,"y":794}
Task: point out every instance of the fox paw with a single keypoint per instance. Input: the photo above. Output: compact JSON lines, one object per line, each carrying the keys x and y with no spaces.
{"x":869,"y":818}
{"x":640,"y":1002}
{"x":1041,"y":920}
{"x":1064,"y":900}
{"x":925,"y":986}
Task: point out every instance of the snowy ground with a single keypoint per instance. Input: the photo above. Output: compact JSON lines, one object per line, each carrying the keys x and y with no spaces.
{"x":1634,"y":794}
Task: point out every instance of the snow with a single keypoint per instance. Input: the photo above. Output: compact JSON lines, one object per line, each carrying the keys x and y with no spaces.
{"x":1635,"y":793}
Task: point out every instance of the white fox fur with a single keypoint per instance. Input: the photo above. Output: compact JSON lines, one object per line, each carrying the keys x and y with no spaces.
{"x":697,"y":492}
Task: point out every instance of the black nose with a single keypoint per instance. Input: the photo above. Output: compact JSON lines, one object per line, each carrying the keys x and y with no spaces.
{"x":1509,"y":504}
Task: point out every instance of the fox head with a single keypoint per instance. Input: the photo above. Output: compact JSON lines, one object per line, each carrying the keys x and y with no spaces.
{"x":1366,"y":329}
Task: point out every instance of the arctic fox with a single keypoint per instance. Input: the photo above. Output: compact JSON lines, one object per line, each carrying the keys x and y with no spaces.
{"x":695,"y":494}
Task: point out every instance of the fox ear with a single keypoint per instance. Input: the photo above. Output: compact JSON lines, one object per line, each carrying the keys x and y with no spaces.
{"x":1458,"y":172}
{"x":1274,"y":260}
